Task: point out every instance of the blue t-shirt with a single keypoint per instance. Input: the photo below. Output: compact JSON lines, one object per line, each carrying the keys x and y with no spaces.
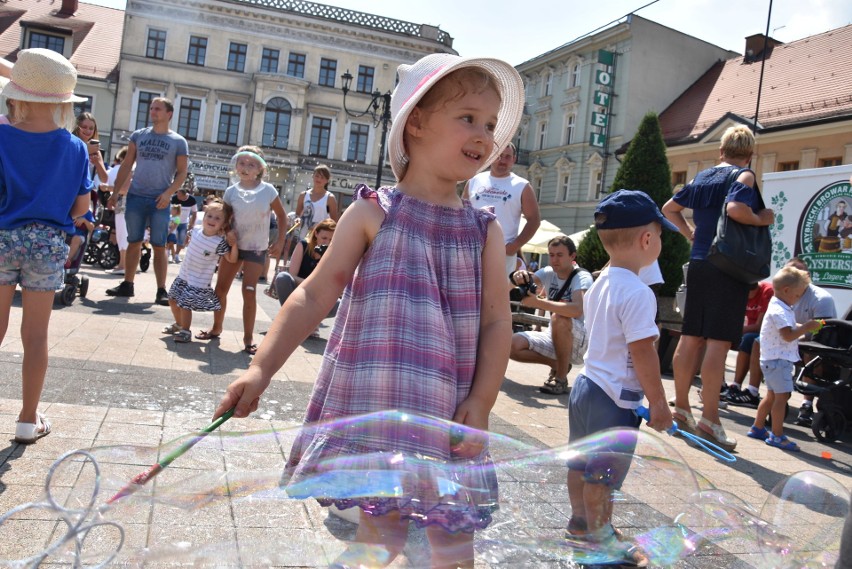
{"x":156,"y":161}
{"x":705,"y":196}
{"x":41,"y":175}
{"x":82,"y":231}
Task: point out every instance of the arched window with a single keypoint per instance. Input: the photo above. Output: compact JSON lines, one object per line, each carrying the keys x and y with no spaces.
{"x":276,"y":123}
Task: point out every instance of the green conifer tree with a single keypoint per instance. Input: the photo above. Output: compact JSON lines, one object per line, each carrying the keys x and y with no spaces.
{"x":644,"y":167}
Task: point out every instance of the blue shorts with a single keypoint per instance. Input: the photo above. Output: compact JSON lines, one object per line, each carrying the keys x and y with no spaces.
{"x":172,"y":238}
{"x":181,"y":234}
{"x":748,"y":341}
{"x":778,"y":375}
{"x":590,"y":411}
{"x":32,"y":255}
{"x":141,"y":213}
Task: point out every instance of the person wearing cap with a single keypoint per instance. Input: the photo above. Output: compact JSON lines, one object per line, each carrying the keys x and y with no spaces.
{"x":188,"y":212}
{"x":511,"y":196}
{"x":621,"y":368}
{"x":45,"y":186}
{"x":707,"y":329}
{"x":560,"y":289}
{"x":160,"y":158}
{"x":412,"y":334}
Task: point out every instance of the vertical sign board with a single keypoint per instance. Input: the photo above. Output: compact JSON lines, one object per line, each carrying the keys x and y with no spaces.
{"x":604,"y":78}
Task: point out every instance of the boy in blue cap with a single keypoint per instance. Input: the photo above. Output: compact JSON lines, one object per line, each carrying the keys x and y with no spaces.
{"x":621,"y":367}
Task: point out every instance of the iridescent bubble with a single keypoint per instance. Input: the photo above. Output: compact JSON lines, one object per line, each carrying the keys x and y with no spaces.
{"x":805,"y":515}
{"x":240,"y":498}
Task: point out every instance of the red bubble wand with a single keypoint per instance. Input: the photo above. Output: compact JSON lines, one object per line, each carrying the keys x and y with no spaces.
{"x":143,"y":477}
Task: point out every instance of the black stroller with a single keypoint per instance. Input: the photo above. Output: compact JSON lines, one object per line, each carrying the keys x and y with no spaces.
{"x":72,"y":283}
{"x":829,"y":372}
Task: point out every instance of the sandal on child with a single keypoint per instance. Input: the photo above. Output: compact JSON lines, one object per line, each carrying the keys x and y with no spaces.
{"x":206,"y":335}
{"x":715,"y":434}
{"x":555,"y":386}
{"x":758,"y":433}
{"x":621,"y":549}
{"x":183,"y":336}
{"x":250,"y":349}
{"x":28,"y":433}
{"x":782,"y":442}
{"x":684,"y":419}
{"x":173,"y":328}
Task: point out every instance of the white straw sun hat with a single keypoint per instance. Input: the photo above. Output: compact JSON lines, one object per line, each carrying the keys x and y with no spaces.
{"x":416,"y":79}
{"x":42,"y":76}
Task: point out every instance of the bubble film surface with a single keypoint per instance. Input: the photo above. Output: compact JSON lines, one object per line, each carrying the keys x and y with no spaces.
{"x":237,"y":498}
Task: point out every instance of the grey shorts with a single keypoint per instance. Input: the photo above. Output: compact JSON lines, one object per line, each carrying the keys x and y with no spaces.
{"x":590,"y":411}
{"x":258,"y":257}
{"x":778,"y":375}
{"x":32,"y":255}
{"x":542,"y":342}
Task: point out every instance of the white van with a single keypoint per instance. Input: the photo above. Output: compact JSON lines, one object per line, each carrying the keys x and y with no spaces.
{"x":813,"y":220}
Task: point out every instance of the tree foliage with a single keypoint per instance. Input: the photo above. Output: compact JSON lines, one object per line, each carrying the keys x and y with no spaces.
{"x":644,"y":167}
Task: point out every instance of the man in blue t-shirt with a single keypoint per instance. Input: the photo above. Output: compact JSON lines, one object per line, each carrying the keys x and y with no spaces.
{"x":161,"y":158}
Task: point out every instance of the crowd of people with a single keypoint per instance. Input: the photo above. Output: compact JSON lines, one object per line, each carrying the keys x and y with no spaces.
{"x":410,"y":334}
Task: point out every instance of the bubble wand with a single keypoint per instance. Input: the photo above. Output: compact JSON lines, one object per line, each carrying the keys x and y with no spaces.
{"x":143,"y":477}
{"x":711,"y":448}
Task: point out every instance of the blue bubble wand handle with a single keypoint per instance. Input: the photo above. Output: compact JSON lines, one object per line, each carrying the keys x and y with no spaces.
{"x":711,"y":448}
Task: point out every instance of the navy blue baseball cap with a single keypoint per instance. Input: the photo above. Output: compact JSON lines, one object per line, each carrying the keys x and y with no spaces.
{"x":629,"y":208}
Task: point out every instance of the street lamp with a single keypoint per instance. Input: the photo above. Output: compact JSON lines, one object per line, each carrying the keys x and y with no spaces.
{"x":379,"y":116}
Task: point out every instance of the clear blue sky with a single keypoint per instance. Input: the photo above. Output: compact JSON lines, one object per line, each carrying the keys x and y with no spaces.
{"x":518,"y":31}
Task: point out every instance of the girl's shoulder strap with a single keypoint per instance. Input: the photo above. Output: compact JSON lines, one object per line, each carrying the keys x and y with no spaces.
{"x":383,"y":196}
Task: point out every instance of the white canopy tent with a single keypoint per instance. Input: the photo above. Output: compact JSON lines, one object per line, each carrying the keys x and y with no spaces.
{"x":545,"y":232}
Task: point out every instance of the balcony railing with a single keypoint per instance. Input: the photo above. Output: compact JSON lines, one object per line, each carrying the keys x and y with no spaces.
{"x":304,"y":8}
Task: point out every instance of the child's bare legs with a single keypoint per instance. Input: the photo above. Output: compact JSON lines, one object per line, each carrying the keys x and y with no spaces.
{"x":251,"y":274}
{"x":73,"y":247}
{"x":591,"y":504}
{"x":764,"y":409}
{"x":779,"y":412}
{"x":224,"y":279}
{"x":450,"y":550}
{"x":378,"y":541}
{"x":182,"y":316}
{"x":37,"y":307}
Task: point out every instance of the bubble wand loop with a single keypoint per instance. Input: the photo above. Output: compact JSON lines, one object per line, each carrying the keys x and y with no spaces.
{"x":711,"y":448}
{"x":143,"y":477}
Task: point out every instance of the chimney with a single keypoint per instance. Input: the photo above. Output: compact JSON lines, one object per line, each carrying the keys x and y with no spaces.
{"x":754,"y":47}
{"x":68,"y":8}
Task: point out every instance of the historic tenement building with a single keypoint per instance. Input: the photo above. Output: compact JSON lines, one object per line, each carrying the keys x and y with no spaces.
{"x":267,"y":72}
{"x":584,"y":101}
{"x":805,"y":114}
{"x":89,"y":36}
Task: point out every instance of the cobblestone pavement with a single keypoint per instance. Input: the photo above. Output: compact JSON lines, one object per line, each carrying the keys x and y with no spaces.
{"x":114,"y":380}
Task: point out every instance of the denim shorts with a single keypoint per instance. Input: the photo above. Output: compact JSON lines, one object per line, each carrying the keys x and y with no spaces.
{"x":778,"y":375}
{"x":590,"y":411}
{"x":258,"y":257}
{"x":747,"y":342}
{"x":141,"y":213}
{"x":32,"y":255}
{"x":181,"y":234}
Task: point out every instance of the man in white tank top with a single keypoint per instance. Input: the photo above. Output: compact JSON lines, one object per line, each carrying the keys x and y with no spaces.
{"x":510,"y":196}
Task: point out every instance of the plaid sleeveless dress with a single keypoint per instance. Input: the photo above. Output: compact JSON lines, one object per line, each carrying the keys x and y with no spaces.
{"x":405,"y":339}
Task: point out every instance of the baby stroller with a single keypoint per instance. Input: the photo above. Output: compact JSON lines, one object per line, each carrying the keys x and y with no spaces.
{"x":71,"y":282}
{"x":829,"y":370}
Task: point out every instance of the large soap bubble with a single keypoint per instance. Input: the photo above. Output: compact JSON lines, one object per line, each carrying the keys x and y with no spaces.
{"x":230,"y":501}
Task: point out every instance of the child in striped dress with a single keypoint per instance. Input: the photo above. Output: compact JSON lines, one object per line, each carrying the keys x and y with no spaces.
{"x":191,"y":290}
{"x":423,"y":327}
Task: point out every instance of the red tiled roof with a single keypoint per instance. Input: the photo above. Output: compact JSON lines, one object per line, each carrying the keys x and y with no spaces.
{"x":96,"y":32}
{"x":805,"y":80}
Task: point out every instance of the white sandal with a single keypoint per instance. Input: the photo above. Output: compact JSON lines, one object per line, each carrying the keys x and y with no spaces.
{"x":716,"y":434}
{"x":28,"y":433}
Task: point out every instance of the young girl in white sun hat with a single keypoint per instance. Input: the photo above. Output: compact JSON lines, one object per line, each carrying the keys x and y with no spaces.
{"x":44,"y":181}
{"x":423,"y":326}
